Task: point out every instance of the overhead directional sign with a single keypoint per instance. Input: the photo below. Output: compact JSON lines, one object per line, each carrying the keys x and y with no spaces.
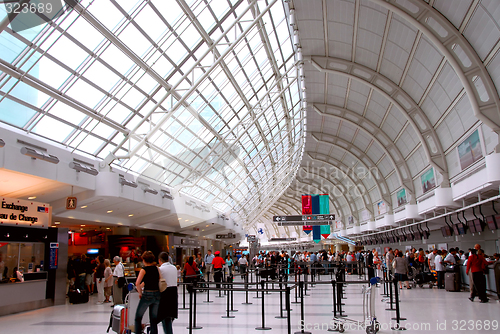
{"x":283,"y":239}
{"x":304,"y":220}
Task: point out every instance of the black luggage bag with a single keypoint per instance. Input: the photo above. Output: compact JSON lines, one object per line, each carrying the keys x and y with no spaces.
{"x":78,"y":296}
{"x":424,"y":277}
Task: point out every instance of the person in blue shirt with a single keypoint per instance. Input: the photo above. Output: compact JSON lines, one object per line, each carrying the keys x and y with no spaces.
{"x":229,"y":265}
{"x":208,"y":264}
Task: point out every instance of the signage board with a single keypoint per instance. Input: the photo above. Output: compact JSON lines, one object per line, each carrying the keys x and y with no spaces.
{"x":53,"y":255}
{"x":308,"y":223}
{"x":18,"y":212}
{"x":283,"y":239}
{"x":71,"y":203}
{"x":224,"y":236}
{"x":252,"y":238}
{"x":304,"y":218}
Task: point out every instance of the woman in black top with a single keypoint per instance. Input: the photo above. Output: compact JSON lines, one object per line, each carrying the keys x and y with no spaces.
{"x":148,"y":279}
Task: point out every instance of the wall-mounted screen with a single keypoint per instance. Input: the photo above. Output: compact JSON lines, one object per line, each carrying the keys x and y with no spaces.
{"x":461,"y":228}
{"x":472,"y":228}
{"x":455,"y":229}
{"x":479,"y":225}
{"x":446,"y":231}
{"x":492,"y":222}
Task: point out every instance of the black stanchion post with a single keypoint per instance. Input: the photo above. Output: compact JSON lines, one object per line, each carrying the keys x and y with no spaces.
{"x":194,"y":307}
{"x":190,"y":327}
{"x":304,"y":292}
{"x":246,"y":291}
{"x":339,"y":299}
{"x":183,"y":298}
{"x":302,"y":321}
{"x":288,"y":309}
{"x":385,"y":282}
{"x":263,"y":327}
{"x":398,"y":317}
{"x":227,"y":316}
{"x":281,"y":301}
{"x":232,"y":301}
{"x":334,"y":299}
{"x":208,"y":297}
{"x":296,"y":288}
{"x":390,"y":296}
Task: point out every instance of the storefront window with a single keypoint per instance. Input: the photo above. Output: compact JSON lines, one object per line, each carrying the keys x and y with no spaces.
{"x":26,"y":257}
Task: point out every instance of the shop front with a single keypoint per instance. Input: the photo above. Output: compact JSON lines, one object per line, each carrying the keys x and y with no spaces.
{"x":33,"y":257}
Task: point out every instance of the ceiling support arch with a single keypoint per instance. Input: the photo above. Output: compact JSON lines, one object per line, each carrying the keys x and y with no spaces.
{"x":359,"y":183}
{"x":380,"y":181}
{"x":488,"y":111}
{"x":405,"y":180}
{"x":398,"y":97}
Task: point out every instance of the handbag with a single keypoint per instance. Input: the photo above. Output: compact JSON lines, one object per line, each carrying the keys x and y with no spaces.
{"x":394,"y":264}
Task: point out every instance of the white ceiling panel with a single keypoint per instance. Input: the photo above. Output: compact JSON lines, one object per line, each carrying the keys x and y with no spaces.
{"x":393,"y":123}
{"x":385,"y":166}
{"x":377,"y":108}
{"x":347,"y":132}
{"x":443,"y":92}
{"x":483,"y":30}
{"x":341,"y":11}
{"x":375,"y":196}
{"x":392,"y":182}
{"x":374,"y":152}
{"x":417,"y":161}
{"x":312,"y":46}
{"x":340,"y":50}
{"x":494,"y":70}
{"x":309,"y":9}
{"x":407,"y":141}
{"x":362,"y":141}
{"x":454,"y":10}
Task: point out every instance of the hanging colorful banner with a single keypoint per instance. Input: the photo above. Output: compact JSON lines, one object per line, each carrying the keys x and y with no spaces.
{"x":315,"y":211}
{"x":306,"y":210}
{"x":324,"y":209}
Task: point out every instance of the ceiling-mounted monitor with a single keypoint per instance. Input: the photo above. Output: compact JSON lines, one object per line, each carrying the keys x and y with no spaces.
{"x":461,"y":228}
{"x":492,"y":222}
{"x":455,"y":229}
{"x":472,"y":227}
{"x":446,"y":231}
{"x":478,"y":224}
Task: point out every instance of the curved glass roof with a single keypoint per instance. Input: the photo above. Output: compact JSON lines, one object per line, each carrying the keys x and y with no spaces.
{"x":202,"y":96}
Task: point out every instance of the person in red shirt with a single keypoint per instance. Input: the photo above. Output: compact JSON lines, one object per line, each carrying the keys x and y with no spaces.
{"x":190,"y":271}
{"x":217,"y":264}
{"x":476,"y":264}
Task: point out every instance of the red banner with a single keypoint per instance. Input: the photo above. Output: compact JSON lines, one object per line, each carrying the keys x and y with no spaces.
{"x":3,"y":244}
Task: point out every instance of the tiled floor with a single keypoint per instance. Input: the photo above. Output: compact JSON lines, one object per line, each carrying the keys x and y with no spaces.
{"x":427,"y":310}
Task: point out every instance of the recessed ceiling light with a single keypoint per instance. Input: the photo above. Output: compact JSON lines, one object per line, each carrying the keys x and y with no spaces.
{"x":107,"y":228}
{"x":179,"y":218}
{"x":186,"y":220}
{"x":32,"y":197}
{"x":207,"y":226}
{"x":83,"y":207}
{"x":131,"y":215}
{"x":82,"y":225}
{"x":109,"y":211}
{"x":57,"y":223}
{"x":202,"y":230}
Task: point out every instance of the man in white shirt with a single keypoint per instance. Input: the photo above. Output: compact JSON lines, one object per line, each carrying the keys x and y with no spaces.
{"x":243,"y":264}
{"x":438,"y":263}
{"x":450,"y":258}
{"x":117,"y":274}
{"x":431,"y":259}
{"x":168,"y":306}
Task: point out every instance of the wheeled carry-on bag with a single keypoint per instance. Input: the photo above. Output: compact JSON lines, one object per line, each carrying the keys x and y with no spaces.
{"x":452,"y":281}
{"x":119,"y":318}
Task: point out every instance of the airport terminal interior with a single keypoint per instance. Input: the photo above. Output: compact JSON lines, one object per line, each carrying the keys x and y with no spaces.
{"x":341,"y":156}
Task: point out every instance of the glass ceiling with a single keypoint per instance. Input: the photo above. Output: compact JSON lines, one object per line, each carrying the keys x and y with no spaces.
{"x":198,"y":95}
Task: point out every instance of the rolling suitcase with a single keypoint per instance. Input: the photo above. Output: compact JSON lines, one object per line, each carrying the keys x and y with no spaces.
{"x":452,"y":282}
{"x":78,"y":296}
{"x":119,"y":318}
